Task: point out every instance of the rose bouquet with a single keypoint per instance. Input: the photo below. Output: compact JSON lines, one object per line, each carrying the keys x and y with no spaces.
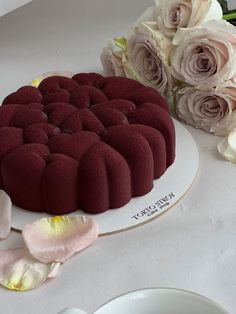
{"x":186,"y":50}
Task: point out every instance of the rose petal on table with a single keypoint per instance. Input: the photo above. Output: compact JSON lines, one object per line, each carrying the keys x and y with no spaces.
{"x":40,"y":78}
{"x":5,"y":214}
{"x":227,"y":147}
{"x":55,"y":239}
{"x":21,"y":272}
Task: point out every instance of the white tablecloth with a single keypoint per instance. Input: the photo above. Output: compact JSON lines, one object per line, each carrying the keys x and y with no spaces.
{"x":190,"y":247}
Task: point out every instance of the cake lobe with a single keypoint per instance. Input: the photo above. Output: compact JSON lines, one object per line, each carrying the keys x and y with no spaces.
{"x":89,"y":142}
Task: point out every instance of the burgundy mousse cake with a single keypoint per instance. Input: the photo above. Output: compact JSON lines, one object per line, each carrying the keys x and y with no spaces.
{"x":90,"y":143}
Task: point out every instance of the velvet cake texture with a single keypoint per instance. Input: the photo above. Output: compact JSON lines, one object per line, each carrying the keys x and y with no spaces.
{"x":90,"y":143}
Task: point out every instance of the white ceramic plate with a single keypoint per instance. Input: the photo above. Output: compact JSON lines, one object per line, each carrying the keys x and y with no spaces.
{"x":157,"y":301}
{"x":166,"y":192}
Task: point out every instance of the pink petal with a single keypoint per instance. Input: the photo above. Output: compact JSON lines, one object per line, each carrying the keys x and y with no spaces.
{"x":55,"y":239}
{"x":20,"y":271}
{"x":5,"y":214}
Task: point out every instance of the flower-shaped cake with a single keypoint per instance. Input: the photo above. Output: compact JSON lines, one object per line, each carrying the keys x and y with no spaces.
{"x":89,"y":142}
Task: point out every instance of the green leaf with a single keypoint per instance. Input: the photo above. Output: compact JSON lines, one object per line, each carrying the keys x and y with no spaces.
{"x":224,"y":5}
{"x":120,"y":42}
{"x":230,"y":15}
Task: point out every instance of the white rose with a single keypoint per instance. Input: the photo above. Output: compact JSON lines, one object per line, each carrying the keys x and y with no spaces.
{"x":227,"y":147}
{"x":174,"y":14}
{"x":111,"y":59}
{"x":210,"y":109}
{"x":149,"y":15}
{"x":205,"y":55}
{"x":147,"y":57}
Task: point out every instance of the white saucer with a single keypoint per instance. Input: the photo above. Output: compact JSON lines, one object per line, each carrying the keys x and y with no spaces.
{"x":166,"y":192}
{"x":157,"y":301}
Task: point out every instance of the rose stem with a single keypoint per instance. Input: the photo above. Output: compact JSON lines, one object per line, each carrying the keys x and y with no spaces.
{"x":229,"y":16}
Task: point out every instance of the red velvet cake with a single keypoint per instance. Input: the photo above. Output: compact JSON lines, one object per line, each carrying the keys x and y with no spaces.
{"x":89,"y":143}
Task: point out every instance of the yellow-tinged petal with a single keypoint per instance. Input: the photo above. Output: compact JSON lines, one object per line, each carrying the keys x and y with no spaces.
{"x":36,"y":82}
{"x":20,"y":271}
{"x":40,"y":78}
{"x":55,"y":239}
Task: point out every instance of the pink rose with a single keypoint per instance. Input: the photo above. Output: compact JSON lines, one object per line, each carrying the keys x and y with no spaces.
{"x":171,"y":15}
{"x":205,"y":55}
{"x":210,"y":109}
{"x":174,"y":14}
{"x":147,"y":57}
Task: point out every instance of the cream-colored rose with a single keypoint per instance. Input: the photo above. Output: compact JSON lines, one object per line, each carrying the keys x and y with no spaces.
{"x":205,"y":55}
{"x":111,"y":59}
{"x":147,"y":57}
{"x":210,"y":109}
{"x":174,"y":14}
